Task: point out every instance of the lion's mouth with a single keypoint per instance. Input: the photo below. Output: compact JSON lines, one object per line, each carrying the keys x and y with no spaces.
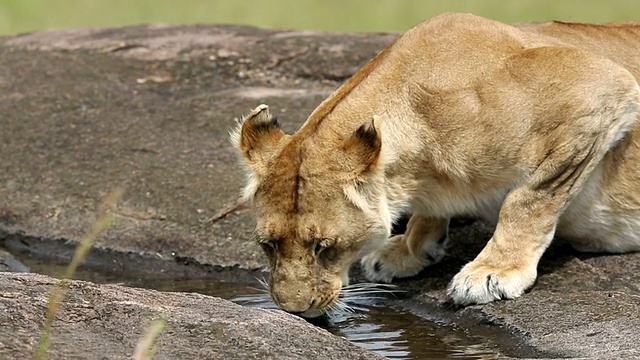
{"x":323,"y":308}
{"x":330,"y":305}
{"x":312,"y":313}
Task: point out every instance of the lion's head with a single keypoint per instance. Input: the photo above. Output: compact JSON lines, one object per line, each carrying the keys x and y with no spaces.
{"x":318,"y":206}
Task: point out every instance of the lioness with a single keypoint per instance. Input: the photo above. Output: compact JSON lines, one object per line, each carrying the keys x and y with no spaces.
{"x":531,"y":126}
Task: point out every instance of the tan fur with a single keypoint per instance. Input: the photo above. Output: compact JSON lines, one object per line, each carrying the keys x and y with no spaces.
{"x":532,"y":126}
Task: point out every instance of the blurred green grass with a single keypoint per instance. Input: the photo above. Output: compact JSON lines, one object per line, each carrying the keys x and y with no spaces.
{"x":17,"y":16}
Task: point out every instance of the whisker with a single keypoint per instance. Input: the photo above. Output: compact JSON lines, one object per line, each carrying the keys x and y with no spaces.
{"x":361,"y":293}
{"x":370,"y":290}
{"x":370,"y":285}
{"x":260,"y":290}
{"x":349,"y":291}
{"x":332,"y":309}
{"x":344,"y":306}
{"x":263,"y":282}
{"x":338,"y":308}
{"x":367,"y":295}
{"x":352,"y":298}
{"x":337,"y":304}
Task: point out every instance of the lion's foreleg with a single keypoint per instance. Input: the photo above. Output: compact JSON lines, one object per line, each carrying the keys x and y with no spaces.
{"x":423,"y":244}
{"x":506,"y":267}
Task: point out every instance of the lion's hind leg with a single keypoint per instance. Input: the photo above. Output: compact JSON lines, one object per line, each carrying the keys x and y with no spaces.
{"x":423,"y":244}
{"x":594,"y":224}
{"x":605,"y":216}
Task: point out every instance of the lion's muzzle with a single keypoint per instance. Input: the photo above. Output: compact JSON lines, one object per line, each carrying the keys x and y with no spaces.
{"x":291,"y":299}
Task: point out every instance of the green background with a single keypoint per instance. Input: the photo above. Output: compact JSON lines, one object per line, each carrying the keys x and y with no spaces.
{"x":17,"y":16}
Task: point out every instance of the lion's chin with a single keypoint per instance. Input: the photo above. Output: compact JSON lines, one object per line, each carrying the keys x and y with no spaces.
{"x":312,"y":313}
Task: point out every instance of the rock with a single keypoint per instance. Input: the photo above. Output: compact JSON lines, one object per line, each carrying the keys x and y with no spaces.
{"x":582,"y":305}
{"x":148,"y":109}
{"x":10,"y":263}
{"x":98,"y":321}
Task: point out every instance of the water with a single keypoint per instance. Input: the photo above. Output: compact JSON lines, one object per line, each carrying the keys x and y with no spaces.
{"x":376,"y":323}
{"x":393,"y":332}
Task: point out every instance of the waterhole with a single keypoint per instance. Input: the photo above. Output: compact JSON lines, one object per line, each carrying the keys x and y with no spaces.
{"x":377,"y":324}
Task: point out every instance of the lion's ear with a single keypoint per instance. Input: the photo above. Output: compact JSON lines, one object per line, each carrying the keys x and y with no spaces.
{"x":257,"y":135}
{"x":363,"y":147}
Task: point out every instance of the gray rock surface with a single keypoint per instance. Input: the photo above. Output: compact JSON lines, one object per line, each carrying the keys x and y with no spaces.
{"x":10,"y":263}
{"x":107,"y":321}
{"x":582,"y":305}
{"x":148,"y":108}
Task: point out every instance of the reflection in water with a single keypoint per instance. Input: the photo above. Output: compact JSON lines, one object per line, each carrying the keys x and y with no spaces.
{"x":374,"y":323}
{"x":391,"y":332}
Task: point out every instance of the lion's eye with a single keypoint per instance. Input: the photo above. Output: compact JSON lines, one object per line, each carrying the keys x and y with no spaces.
{"x":319,"y":245}
{"x":269,"y":245}
{"x":317,"y":249}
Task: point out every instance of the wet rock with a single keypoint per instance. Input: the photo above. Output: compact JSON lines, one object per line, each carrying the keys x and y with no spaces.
{"x":594,"y":324}
{"x":10,"y":263}
{"x":109,"y":320}
{"x":582,"y":305}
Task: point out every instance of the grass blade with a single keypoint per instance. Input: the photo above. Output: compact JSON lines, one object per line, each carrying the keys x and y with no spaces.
{"x":104,"y":219}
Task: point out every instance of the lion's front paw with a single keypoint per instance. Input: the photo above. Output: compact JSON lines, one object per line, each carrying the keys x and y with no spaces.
{"x":394,"y":260}
{"x":480,"y":283}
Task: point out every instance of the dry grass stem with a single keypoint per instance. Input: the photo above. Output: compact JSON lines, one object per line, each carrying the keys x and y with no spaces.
{"x":146,"y":346}
{"x":103,"y":220}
